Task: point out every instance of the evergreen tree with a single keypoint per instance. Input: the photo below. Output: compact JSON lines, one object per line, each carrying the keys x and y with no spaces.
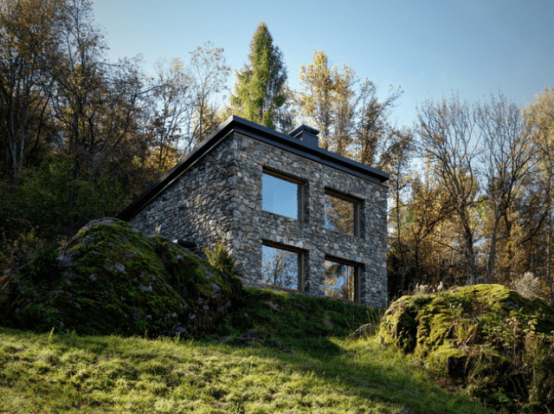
{"x":260,"y":90}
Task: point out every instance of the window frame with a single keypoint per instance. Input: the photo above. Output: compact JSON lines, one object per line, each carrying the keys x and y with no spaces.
{"x":290,"y":179}
{"x":357,"y":211}
{"x":301,"y":264}
{"x":357,"y":278}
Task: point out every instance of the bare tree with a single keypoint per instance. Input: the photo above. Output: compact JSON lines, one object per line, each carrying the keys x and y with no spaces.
{"x":170,"y":112}
{"x":449,"y":143}
{"x":375,"y":137}
{"x":506,"y":161}
{"x":209,"y":75}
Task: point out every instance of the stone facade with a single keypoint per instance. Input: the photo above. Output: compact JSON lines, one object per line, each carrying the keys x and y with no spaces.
{"x":199,"y":205}
{"x":217,"y":199}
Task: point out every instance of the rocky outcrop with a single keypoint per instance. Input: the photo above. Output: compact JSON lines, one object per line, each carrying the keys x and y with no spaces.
{"x":112,"y":279}
{"x":486,"y":337}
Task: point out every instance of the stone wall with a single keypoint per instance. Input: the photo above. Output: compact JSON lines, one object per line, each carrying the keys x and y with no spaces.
{"x":254,"y":226}
{"x":199,"y":205}
{"x":219,"y":201}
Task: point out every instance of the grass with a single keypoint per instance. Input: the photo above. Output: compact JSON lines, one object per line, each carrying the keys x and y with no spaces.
{"x":269,"y":372}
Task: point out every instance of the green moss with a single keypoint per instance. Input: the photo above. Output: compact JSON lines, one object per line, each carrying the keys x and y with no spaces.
{"x":482,"y":335}
{"x":447,"y":358}
{"x":111,"y":279}
{"x":399,"y":325}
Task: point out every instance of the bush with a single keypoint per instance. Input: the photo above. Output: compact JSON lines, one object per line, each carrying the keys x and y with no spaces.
{"x":221,"y":259}
{"x":528,"y":286}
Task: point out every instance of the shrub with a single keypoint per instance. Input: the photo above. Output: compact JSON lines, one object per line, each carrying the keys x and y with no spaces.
{"x":528,"y":286}
{"x":221,"y":259}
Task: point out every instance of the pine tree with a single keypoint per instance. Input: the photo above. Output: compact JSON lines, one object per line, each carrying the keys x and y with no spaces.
{"x":260,"y":87}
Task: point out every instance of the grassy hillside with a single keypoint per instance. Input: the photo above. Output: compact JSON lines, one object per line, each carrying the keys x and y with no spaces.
{"x":277,"y":353}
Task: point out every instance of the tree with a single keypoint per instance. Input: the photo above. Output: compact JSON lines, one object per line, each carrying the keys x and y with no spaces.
{"x":325,"y":99}
{"x":398,"y":168}
{"x":351,"y":119}
{"x":98,"y":107}
{"x":260,"y":85}
{"x":29,"y":39}
{"x":540,"y":119}
{"x":208,"y":76}
{"x":170,"y":111}
{"x":447,"y":142}
{"x":181,"y":110}
{"x":377,"y":142}
{"x":506,"y":163}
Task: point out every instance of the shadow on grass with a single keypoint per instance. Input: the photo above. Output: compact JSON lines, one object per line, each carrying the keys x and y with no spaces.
{"x":301,"y":333}
{"x":354,"y":368}
{"x":382,"y":375}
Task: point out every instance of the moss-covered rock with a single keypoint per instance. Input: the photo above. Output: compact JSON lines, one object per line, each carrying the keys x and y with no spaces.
{"x":111,"y":279}
{"x":482,"y":335}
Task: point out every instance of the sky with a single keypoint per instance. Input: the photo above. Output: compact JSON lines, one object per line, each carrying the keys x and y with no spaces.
{"x":431,"y":49}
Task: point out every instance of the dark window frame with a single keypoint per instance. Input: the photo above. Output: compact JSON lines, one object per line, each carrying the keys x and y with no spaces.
{"x":357,"y":210}
{"x":301,"y":264}
{"x":300,"y":201}
{"x":357,"y":278}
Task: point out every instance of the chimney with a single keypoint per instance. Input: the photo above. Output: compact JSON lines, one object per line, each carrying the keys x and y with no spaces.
{"x":307,"y":135}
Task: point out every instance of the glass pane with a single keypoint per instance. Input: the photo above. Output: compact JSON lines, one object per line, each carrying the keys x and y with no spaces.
{"x":340,"y":280}
{"x":340,"y":215}
{"x":280,"y":268}
{"x":280,"y":196}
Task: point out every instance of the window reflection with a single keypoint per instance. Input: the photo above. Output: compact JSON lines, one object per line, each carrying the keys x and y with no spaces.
{"x":280,"y":196}
{"x":280,"y":267}
{"x":340,"y":280}
{"x":341,"y":214}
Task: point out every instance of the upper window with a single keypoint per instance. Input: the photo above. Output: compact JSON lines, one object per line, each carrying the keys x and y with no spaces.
{"x":341,"y":280}
{"x":342,"y":214}
{"x":281,"y":195}
{"x":281,"y":267}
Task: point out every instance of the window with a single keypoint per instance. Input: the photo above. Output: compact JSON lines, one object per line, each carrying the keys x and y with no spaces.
{"x":342,"y":280}
{"x":281,"y":267}
{"x":342,"y":214}
{"x":281,"y":195}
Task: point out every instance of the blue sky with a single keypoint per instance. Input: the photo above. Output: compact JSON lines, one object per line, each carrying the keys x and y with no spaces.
{"x":429,"y":48}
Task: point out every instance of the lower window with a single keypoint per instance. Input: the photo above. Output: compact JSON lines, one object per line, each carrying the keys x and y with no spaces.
{"x":342,"y":280}
{"x":281,"y":267}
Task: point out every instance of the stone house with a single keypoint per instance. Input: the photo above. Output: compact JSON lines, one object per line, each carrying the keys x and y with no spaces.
{"x":294,"y":216}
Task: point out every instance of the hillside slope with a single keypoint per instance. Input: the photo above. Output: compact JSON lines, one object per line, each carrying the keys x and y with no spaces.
{"x":275,"y":359}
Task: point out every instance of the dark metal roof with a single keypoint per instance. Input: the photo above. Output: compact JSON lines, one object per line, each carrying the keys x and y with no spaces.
{"x":260,"y":133}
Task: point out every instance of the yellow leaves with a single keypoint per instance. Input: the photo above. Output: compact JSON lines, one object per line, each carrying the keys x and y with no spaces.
{"x":540,"y":116}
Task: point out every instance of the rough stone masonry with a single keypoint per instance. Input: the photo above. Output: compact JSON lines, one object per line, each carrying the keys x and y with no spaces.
{"x":214,"y":196}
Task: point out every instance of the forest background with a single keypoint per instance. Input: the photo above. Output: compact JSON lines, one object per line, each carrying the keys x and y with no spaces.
{"x":470,"y":195}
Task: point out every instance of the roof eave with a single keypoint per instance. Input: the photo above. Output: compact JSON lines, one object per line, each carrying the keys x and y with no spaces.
{"x":259,"y":132}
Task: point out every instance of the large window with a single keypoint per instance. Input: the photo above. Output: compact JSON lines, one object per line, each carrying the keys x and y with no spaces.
{"x":281,"y":195}
{"x":281,"y":267}
{"x":342,"y":214}
{"x":342,"y":280}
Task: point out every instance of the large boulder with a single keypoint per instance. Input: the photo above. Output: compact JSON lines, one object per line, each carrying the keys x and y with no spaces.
{"x":111,"y":279}
{"x":487,"y":337}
